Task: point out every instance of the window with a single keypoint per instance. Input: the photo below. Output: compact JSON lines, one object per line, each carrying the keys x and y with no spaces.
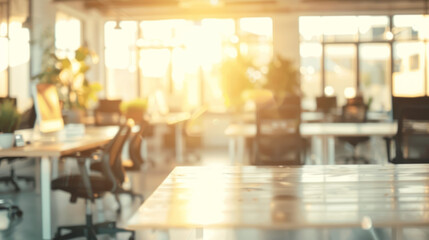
{"x":357,"y":52}
{"x":120,"y":59}
{"x":345,"y":55}
{"x":67,"y":34}
{"x":15,"y":52}
{"x":180,"y":58}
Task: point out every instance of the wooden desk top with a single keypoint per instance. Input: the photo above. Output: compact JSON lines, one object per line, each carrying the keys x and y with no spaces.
{"x":170,"y":118}
{"x":324,"y":129}
{"x":94,"y":137}
{"x":288,"y":197}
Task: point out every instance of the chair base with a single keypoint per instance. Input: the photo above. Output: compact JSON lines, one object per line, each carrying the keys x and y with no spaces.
{"x":13,"y":179}
{"x":13,"y":211}
{"x":132,"y":194}
{"x":90,"y":231}
{"x":356,"y":160}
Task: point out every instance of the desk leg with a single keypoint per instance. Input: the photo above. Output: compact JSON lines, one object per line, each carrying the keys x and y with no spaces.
{"x":317,"y":150}
{"x":331,"y":150}
{"x":199,"y":234}
{"x":179,"y":143}
{"x":241,"y":145}
{"x":45,"y":187}
{"x":397,"y":233}
{"x":231,"y":146}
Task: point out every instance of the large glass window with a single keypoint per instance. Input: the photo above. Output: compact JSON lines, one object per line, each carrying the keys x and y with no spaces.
{"x":340,"y":69}
{"x":14,"y":52}
{"x":345,"y":55}
{"x":120,"y":59}
{"x":67,"y":34}
{"x":181,"y":58}
{"x":374,"y":67}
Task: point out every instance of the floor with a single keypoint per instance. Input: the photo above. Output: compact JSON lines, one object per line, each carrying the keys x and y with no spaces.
{"x":145,"y":181}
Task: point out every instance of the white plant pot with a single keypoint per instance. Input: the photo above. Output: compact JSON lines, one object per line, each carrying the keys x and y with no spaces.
{"x":6,"y":140}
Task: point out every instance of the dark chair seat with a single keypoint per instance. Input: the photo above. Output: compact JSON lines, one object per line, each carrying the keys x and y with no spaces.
{"x":354,"y":141}
{"x":74,"y":184}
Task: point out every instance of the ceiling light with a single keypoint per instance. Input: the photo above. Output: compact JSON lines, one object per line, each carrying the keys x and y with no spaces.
{"x":117,"y":25}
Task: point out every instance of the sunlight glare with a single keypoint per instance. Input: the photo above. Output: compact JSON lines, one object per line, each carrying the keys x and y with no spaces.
{"x":329,"y":91}
{"x":350,"y":92}
{"x":3,"y":29}
{"x":5,"y":53}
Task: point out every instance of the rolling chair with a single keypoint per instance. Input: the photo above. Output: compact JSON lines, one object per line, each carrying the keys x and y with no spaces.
{"x":108,"y":113}
{"x":326,"y":104}
{"x":134,"y":162}
{"x":91,"y":187}
{"x":354,"y":112}
{"x":278,"y":140}
{"x":412,"y":138}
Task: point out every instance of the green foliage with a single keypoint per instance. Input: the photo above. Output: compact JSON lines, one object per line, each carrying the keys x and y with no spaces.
{"x":283,"y":78}
{"x":9,"y":117}
{"x":68,"y":74}
{"x":235,"y":80}
{"x":134,"y":109}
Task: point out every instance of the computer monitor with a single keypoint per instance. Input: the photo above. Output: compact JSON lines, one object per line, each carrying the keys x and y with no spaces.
{"x":326,"y":104}
{"x":48,"y":110}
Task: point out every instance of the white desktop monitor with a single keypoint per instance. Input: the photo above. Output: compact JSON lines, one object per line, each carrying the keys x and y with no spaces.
{"x":48,"y":110}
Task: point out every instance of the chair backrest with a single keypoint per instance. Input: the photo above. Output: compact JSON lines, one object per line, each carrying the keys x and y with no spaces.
{"x":111,"y":160}
{"x":191,"y":126}
{"x":278,"y":140}
{"x":108,"y":113}
{"x":326,"y":103}
{"x":412,"y":138}
{"x":399,"y":103}
{"x":354,"y":112}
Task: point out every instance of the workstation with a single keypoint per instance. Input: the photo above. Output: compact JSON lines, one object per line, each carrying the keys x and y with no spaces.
{"x":220,"y":119}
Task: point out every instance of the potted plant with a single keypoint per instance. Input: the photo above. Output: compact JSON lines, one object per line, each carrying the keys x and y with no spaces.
{"x":235,"y":81}
{"x":9,"y":121}
{"x":134,"y":109}
{"x":283,"y":79}
{"x":68,"y":73}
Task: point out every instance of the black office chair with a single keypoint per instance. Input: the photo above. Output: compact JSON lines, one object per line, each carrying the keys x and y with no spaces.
{"x":108,"y":113}
{"x":278,"y":140}
{"x":354,"y":112}
{"x":134,"y":162}
{"x":412,"y":138}
{"x":91,"y":187}
{"x":326,"y":104}
{"x":28,"y":119}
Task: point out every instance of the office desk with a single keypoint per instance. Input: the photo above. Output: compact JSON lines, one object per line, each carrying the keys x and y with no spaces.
{"x":176,"y":119}
{"x":49,"y":151}
{"x":312,"y":196}
{"x":322,"y":136}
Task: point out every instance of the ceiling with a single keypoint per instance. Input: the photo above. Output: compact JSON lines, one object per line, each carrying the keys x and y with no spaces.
{"x":139,"y":9}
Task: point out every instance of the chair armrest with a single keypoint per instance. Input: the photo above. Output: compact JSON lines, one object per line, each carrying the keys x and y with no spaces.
{"x":85,"y":177}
